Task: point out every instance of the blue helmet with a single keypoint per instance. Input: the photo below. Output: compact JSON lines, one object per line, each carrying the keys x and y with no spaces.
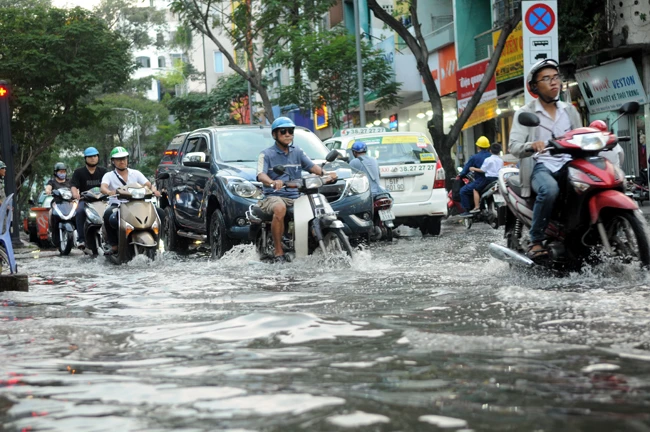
{"x":90,"y":151}
{"x":359,"y":147}
{"x":282,"y":122}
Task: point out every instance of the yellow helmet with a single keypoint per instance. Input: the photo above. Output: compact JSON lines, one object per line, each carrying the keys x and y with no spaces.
{"x":483,"y":142}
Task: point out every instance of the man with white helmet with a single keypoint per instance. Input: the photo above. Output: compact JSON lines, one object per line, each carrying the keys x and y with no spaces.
{"x":84,"y":179}
{"x":122,"y":175}
{"x":539,"y":170}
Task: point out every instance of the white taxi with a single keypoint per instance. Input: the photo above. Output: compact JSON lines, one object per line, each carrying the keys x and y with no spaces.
{"x":410,"y":170}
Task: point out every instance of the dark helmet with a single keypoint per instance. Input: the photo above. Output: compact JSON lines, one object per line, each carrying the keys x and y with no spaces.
{"x":359,"y":147}
{"x":59,"y":166}
{"x":531,"y":78}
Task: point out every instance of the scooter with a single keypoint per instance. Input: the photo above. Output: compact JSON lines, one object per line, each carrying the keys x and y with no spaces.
{"x":137,"y":223}
{"x":489,"y":204}
{"x":94,"y":208}
{"x":592,"y":213}
{"x":62,"y":219}
{"x":310,"y":224}
{"x":384,"y":219}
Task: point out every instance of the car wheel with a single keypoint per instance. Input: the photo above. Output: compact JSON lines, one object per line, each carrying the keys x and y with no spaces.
{"x":433,"y":225}
{"x":173,"y":242}
{"x":219,"y":241}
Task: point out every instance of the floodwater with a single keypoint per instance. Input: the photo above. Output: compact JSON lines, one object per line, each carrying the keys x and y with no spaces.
{"x":424,"y":334}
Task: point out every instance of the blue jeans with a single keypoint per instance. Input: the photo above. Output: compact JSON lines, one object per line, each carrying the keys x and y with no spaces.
{"x":544,"y":183}
{"x":467,"y":193}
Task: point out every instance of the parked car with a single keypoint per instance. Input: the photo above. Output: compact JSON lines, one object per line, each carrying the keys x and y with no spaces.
{"x":410,"y":170}
{"x":211,"y":183}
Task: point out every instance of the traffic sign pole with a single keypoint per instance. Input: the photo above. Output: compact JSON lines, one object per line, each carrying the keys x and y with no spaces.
{"x":8,"y":155}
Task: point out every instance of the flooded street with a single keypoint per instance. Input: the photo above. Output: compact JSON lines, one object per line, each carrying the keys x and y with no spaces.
{"x":425,"y":334}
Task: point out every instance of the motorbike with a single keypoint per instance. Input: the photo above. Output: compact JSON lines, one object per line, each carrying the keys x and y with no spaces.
{"x":94,"y":208}
{"x":453,"y":196}
{"x":383,"y":219}
{"x":62,"y":219}
{"x":137,"y":223}
{"x":637,"y":187}
{"x":592,"y":213}
{"x":310,"y":224}
{"x":489,"y":203}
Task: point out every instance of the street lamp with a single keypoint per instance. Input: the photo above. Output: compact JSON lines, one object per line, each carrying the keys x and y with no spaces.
{"x":137,"y":130}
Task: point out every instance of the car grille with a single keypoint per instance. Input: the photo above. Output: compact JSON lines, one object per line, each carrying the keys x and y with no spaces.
{"x":333,"y":192}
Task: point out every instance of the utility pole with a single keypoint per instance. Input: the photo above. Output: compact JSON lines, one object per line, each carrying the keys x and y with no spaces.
{"x":357,"y":39}
{"x":8,"y":155}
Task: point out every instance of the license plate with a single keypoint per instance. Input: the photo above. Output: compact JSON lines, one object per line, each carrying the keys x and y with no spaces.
{"x":498,"y":198}
{"x":385,"y":215}
{"x":394,"y":184}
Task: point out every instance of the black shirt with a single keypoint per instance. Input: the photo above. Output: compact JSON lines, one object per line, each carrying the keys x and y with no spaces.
{"x":56,"y":185}
{"x":83,"y":180}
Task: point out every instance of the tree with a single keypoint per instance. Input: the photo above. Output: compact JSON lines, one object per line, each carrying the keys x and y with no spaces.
{"x":329,"y":58}
{"x":417,"y":44}
{"x":135,"y":23}
{"x":27,"y":4}
{"x":200,"y":110}
{"x":262,"y":34}
{"x":54,"y":58}
{"x":581,"y":33}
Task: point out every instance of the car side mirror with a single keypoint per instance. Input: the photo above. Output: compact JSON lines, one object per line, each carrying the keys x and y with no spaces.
{"x":332,"y":155}
{"x":629,"y":108}
{"x":279,"y":169}
{"x":163,"y":176}
{"x":528,"y":119}
{"x":194,"y":157}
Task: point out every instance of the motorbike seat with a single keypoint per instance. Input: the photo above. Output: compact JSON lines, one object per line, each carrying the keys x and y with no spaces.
{"x":514,"y":182}
{"x":488,"y":187}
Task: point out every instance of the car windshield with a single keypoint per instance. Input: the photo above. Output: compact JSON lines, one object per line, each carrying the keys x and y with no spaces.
{"x":245,"y":145}
{"x":399,"y":149}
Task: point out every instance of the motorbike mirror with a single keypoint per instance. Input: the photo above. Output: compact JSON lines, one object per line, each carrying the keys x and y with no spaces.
{"x":332,"y":155}
{"x":629,"y":108}
{"x":163,"y":176}
{"x":279,"y":169}
{"x":528,"y":119}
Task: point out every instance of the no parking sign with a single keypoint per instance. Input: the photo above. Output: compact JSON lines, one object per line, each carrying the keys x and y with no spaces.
{"x":539,"y":34}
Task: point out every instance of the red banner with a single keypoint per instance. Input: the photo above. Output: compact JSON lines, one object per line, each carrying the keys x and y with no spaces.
{"x":469,"y":79}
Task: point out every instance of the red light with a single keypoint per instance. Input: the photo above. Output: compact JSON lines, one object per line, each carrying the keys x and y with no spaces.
{"x":439,"y":181}
{"x":171,"y":152}
{"x":3,"y":91}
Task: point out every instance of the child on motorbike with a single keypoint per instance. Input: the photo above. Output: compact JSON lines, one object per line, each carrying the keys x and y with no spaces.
{"x":490,"y":167}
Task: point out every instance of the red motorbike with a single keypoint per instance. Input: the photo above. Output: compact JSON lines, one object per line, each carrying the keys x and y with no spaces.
{"x":592,"y":214}
{"x":384,"y":219}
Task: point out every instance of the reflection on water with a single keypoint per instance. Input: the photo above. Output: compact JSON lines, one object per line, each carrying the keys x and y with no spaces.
{"x":426,"y":334}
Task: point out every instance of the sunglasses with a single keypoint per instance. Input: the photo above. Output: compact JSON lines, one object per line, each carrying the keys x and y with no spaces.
{"x":284,"y":131}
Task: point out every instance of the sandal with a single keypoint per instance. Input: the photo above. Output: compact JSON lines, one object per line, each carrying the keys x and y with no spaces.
{"x":536,"y":250}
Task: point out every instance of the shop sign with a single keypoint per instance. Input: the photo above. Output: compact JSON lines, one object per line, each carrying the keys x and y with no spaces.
{"x":469,"y":79}
{"x":443,"y":69}
{"x":607,"y":87}
{"x":321,"y":117}
{"x":511,"y":62}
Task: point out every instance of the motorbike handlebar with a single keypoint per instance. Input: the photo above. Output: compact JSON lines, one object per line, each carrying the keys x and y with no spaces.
{"x":624,"y":138}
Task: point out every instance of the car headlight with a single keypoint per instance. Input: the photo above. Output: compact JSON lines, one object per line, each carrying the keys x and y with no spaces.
{"x":92,"y":215}
{"x":313,"y":182}
{"x":242,"y":187}
{"x":136,"y":193}
{"x":359,"y":183}
{"x":590,"y":141}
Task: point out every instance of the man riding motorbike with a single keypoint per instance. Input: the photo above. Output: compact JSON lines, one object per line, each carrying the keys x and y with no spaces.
{"x":540,"y":170}
{"x":59,"y":180}
{"x":490,"y":170}
{"x":277,"y":199}
{"x":368,"y":165}
{"x":467,"y":191}
{"x":84,"y":179}
{"x":122,"y":175}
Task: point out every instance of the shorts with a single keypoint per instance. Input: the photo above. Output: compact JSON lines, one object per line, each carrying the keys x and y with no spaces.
{"x":268,"y":203}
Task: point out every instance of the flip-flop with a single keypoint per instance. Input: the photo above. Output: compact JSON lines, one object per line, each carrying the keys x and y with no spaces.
{"x":539,"y":253}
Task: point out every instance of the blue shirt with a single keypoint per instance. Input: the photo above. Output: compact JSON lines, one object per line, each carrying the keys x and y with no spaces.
{"x":369,"y":166}
{"x":476,"y":161}
{"x":295,"y":161}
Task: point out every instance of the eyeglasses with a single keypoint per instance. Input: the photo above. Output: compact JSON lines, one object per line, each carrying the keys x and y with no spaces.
{"x":283,"y":131}
{"x":548,"y":79}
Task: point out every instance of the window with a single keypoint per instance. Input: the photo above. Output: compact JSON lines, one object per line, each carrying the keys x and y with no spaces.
{"x":143,"y":62}
{"x":161,"y":62}
{"x":218,"y":62}
{"x":189,"y":147}
{"x":178,"y":57}
{"x":202,"y":146}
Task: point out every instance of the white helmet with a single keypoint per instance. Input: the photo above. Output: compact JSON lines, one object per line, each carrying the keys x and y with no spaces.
{"x":532,"y":74}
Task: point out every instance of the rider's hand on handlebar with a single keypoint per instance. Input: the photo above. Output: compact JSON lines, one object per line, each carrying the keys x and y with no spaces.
{"x":538,"y":146}
{"x":278,"y":184}
{"x":157,"y":193}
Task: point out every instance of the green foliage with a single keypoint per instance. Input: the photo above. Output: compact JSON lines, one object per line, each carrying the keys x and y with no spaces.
{"x":580,"y":33}
{"x":198,"y":110}
{"x":330,"y":63}
{"x":135,"y":23}
{"x":26,"y":4}
{"x":55,"y":59}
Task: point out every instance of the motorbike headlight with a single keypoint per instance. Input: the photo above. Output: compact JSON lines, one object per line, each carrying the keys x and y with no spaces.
{"x":92,"y":215}
{"x":32,"y":214}
{"x":313,"y":182}
{"x":590,"y":141}
{"x":66,"y":194}
{"x":242,"y":187}
{"x":359,"y":183}
{"x":137,"y":193}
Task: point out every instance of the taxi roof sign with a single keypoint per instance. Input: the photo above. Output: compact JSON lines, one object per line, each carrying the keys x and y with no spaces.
{"x":358,"y":131}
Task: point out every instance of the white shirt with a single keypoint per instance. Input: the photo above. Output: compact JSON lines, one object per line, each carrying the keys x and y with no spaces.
{"x":113,"y":180}
{"x":492,"y":165}
{"x":560,"y":126}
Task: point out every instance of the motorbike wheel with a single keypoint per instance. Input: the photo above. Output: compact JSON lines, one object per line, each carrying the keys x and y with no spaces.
{"x":627,"y":236}
{"x":94,"y":241}
{"x":219,"y":241}
{"x":33,"y":235}
{"x":336,"y":242}
{"x":389,"y":235}
{"x":65,"y":245}
{"x":173,"y":242}
{"x":4,"y":261}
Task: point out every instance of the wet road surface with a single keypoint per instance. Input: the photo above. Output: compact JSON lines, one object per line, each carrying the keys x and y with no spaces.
{"x":424,"y":334}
